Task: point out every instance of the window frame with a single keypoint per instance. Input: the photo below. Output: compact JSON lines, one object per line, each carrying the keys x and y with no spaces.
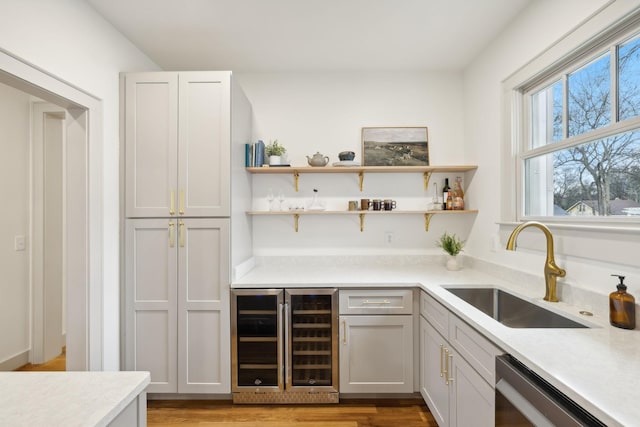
{"x":518,"y":92}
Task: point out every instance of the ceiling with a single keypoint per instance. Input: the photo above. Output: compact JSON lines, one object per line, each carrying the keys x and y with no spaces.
{"x":310,"y":35}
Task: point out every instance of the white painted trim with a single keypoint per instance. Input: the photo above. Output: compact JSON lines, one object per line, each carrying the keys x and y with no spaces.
{"x":36,"y":235}
{"x":14,"y":362}
{"x":85,"y":314}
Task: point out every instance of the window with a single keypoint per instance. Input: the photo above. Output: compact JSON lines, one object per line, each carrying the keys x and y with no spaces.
{"x":580,"y":151}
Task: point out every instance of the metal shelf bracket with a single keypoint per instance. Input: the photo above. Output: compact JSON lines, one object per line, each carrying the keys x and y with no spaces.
{"x":427,"y":220}
{"x":427,"y":177}
{"x":296,"y":177}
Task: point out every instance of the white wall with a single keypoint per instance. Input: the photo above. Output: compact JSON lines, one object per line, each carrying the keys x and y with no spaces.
{"x":534,"y":31}
{"x":324,"y":112}
{"x":310,"y":112}
{"x":69,"y":40}
{"x":14,"y":173}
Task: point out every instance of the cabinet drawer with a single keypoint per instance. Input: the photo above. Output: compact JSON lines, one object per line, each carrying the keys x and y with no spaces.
{"x":383,"y":301}
{"x":475,"y":348}
{"x":435,"y":313}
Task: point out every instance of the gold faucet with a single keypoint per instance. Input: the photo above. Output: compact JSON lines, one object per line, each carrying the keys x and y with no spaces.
{"x":551,"y":270}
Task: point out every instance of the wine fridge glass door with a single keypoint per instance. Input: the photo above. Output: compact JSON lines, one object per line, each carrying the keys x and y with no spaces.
{"x":310,"y":345}
{"x":256,"y":341}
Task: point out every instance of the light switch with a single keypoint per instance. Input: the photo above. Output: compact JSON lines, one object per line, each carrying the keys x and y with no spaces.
{"x":20,"y":243}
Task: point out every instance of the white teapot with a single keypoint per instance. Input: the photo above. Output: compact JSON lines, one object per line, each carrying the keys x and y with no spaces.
{"x":318,"y":160}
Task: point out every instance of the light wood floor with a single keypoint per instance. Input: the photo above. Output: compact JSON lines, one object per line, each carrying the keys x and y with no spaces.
{"x":58,"y":363}
{"x":349,"y":413}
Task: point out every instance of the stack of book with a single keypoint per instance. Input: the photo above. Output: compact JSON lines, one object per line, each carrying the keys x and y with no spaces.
{"x":254,"y":154}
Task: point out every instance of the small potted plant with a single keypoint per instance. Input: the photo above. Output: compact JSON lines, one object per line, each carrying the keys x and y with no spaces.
{"x":452,"y":245}
{"x":274,"y":151}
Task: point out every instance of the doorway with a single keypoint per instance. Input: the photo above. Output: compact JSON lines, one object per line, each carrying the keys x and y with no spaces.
{"x":82,"y":240}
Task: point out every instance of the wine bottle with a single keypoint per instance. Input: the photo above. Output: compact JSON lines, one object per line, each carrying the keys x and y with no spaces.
{"x":445,"y":193}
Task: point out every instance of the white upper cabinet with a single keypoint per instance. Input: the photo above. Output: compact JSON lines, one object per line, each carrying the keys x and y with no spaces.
{"x":177,"y":142}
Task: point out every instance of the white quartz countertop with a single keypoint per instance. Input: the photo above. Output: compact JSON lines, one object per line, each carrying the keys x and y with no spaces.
{"x":66,"y":398}
{"x":598,"y":367}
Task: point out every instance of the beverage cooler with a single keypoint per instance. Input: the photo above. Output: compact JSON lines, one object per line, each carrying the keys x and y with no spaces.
{"x":284,"y":346}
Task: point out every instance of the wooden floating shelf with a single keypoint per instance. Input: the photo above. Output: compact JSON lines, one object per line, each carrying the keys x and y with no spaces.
{"x":358,"y":212}
{"x":427,"y":171}
{"x":362,"y":214}
{"x":358,"y":169}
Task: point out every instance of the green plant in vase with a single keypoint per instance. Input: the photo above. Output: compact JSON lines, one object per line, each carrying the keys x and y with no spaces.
{"x":452,"y":245}
{"x":274,"y":152}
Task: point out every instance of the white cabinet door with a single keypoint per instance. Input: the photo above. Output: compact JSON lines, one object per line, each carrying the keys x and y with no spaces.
{"x":151,"y":301}
{"x":457,"y":368}
{"x":204,"y":364}
{"x":433,"y":385}
{"x":472,"y":398}
{"x":177,"y":144}
{"x":376,"y":354}
{"x":177,"y":303}
{"x":204,"y":144}
{"x":151,"y":144}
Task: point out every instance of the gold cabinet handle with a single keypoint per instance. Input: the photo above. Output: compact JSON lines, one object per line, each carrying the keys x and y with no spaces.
{"x":344,"y":332}
{"x":181,"y":202}
{"x":446,"y":366}
{"x":172,"y":202}
{"x":181,"y":233}
{"x":441,"y":358}
{"x":172,"y":234}
{"x":449,"y":359}
{"x":377,"y":302}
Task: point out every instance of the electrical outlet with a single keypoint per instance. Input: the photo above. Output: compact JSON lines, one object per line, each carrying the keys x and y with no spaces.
{"x":389,"y":238}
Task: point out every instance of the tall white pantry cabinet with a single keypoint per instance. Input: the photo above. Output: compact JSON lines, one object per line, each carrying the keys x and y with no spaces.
{"x":178,"y":154}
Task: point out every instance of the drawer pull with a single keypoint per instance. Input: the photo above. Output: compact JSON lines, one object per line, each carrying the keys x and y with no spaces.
{"x":441,"y":362}
{"x":367,"y":302}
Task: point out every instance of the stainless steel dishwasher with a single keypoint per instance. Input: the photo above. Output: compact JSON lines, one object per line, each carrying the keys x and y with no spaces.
{"x":523,"y":398}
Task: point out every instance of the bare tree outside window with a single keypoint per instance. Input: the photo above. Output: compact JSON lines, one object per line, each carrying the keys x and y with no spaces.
{"x":600,"y":177}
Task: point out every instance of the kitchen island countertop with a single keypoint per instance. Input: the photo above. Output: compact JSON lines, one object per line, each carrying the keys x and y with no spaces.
{"x":67,"y":398}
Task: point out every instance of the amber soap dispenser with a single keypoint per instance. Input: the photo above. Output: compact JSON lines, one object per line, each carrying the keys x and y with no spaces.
{"x":622,"y":307}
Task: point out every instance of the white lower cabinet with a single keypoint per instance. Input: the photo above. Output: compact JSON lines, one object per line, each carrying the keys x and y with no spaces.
{"x":177,"y":303}
{"x":376,"y":341}
{"x":457,"y":368}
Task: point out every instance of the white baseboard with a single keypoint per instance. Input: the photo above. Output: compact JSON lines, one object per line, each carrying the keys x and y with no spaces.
{"x":15,"y":362}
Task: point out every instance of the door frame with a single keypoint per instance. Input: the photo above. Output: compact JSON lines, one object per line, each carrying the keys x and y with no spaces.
{"x":41,"y":339}
{"x":84,"y":241}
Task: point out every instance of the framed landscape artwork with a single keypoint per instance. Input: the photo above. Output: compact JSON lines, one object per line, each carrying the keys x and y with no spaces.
{"x":395,"y":146}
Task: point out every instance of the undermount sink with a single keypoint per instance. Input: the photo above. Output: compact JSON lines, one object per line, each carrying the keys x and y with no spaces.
{"x":512,"y":311}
